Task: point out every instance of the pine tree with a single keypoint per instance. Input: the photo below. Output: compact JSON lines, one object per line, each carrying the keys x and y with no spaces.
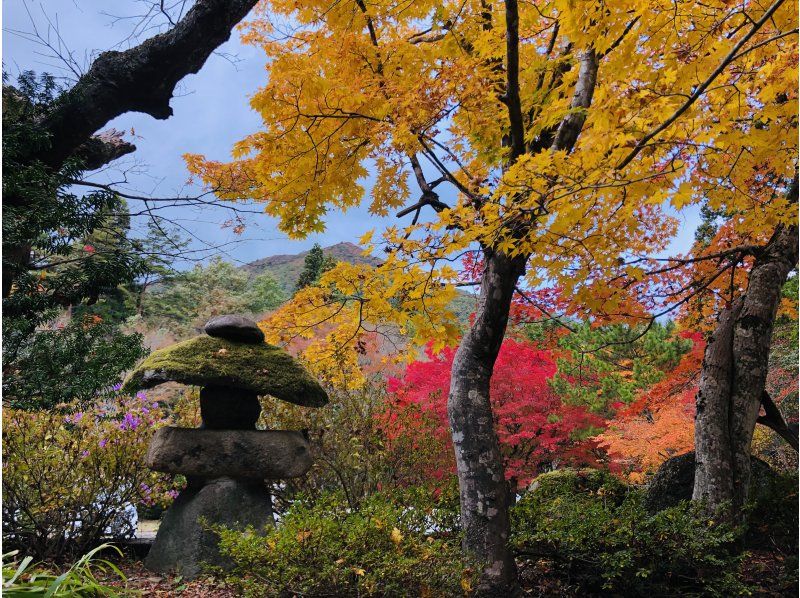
{"x":315,"y":265}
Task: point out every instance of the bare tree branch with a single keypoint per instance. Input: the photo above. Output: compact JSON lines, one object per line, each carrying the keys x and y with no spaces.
{"x":774,"y":421}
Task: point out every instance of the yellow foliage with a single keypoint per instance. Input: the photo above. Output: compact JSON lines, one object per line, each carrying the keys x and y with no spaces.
{"x":380,"y":85}
{"x":352,"y":302}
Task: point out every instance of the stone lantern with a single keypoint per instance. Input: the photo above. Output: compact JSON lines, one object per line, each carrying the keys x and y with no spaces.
{"x":226,"y":460}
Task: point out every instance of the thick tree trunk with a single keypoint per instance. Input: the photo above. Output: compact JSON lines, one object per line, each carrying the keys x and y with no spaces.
{"x":713,"y":478}
{"x":734,"y":373}
{"x":484,"y":492}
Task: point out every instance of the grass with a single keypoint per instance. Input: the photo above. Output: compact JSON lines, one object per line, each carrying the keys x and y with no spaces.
{"x":25,"y":578}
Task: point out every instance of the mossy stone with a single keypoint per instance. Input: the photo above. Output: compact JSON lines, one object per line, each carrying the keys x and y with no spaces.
{"x":674,"y":481}
{"x":208,"y":361}
{"x":568,"y":481}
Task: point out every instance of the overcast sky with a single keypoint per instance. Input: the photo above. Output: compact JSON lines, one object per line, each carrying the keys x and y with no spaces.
{"x":211,"y":112}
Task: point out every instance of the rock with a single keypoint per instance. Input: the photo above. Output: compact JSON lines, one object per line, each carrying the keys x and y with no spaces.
{"x":229,"y":408}
{"x":207,"y":361}
{"x":261,"y":454}
{"x":674,"y":481}
{"x":569,"y":481}
{"x":235,"y":328}
{"x":183,"y":546}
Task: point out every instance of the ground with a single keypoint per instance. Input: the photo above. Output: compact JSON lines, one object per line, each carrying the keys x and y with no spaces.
{"x":141,"y":580}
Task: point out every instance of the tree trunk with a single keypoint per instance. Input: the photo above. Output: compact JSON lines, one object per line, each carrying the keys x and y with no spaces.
{"x":481,"y":476}
{"x":734,"y":373}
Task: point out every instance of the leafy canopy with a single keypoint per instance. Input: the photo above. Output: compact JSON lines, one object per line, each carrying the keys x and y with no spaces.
{"x":688,"y":104}
{"x":59,"y":248}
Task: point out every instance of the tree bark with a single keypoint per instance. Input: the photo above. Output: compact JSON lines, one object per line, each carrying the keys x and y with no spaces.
{"x":483,"y":489}
{"x":141,"y":79}
{"x":733,"y":376}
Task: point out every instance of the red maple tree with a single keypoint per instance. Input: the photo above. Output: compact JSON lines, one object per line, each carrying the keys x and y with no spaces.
{"x":536,"y":430}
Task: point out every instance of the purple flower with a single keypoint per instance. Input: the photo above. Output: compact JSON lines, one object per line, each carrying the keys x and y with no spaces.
{"x":141,"y":396}
{"x":84,"y":454}
{"x":117,"y":386}
{"x":74,"y":418}
{"x":172,"y":494}
{"x":102,"y":443}
{"x":129,"y":422}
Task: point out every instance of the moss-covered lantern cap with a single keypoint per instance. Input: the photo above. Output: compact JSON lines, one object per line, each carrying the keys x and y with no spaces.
{"x":207,"y":361}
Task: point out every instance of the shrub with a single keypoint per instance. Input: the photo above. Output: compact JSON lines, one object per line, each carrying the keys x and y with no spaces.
{"x":23,"y":579}
{"x":72,"y":364}
{"x":71,"y":479}
{"x":773,"y":517}
{"x":394,"y":545}
{"x":598,"y":534}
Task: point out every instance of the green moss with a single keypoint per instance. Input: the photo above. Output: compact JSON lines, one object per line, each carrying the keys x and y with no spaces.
{"x":204,"y":360}
{"x":563,"y":482}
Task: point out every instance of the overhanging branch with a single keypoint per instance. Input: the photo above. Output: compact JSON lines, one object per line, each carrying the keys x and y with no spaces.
{"x":141,"y":79}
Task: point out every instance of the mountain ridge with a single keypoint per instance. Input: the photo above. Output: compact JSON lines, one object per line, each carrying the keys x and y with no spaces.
{"x":286,"y":268}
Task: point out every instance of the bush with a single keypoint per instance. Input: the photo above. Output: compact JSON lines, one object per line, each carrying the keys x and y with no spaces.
{"x":773,"y":514}
{"x":71,"y":479}
{"x":394,"y":545}
{"x":71,"y":364}
{"x":598,"y":535}
{"x":22,"y":579}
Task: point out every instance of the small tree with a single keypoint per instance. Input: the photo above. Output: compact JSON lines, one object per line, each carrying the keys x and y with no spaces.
{"x":537,"y":431}
{"x":315,"y":264}
{"x":72,"y":364}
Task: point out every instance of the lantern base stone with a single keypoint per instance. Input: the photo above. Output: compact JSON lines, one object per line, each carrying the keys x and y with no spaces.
{"x":183,"y":544}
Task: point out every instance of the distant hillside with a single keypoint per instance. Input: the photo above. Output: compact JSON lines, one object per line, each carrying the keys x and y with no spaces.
{"x":172,"y":305}
{"x":286,"y":268}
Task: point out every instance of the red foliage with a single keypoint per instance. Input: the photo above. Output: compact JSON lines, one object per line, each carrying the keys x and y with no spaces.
{"x":537,"y":432}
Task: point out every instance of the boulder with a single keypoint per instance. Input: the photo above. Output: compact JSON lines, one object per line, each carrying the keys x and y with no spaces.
{"x":674,"y":481}
{"x":569,"y":481}
{"x":207,"y":361}
{"x":184,"y":544}
{"x":259,"y":454}
{"x":235,"y":328}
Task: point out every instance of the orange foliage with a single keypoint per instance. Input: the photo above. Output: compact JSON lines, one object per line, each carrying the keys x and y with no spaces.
{"x":660,"y":423}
